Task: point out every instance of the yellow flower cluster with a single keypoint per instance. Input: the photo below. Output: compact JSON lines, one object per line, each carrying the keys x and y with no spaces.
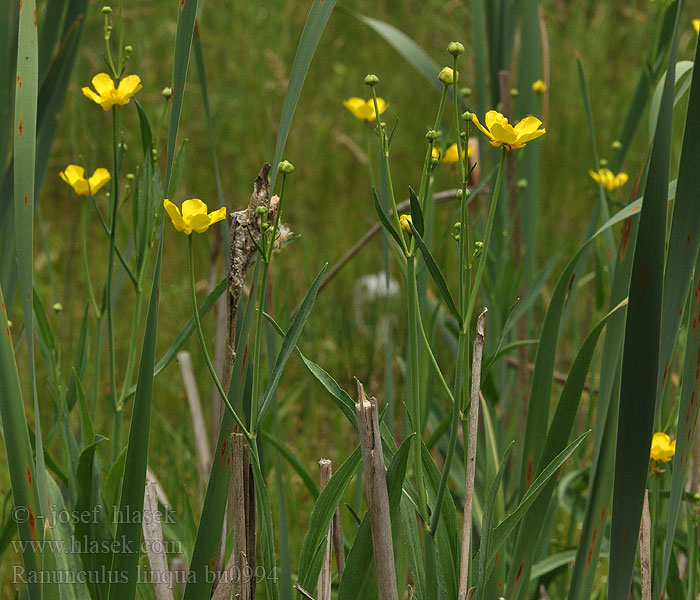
{"x":364,"y":109}
{"x":501,"y":133}
{"x":608,"y":179}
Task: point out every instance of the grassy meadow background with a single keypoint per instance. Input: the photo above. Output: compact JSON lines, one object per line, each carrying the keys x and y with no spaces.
{"x":248,"y":49}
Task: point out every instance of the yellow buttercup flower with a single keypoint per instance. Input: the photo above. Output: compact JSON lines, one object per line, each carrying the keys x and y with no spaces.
{"x":450,"y":156}
{"x":662,"y":448}
{"x":107,"y":95}
{"x":609,"y":180}
{"x":194,"y":215}
{"x":539,"y":87}
{"x":435,"y":153}
{"x":696,"y":26}
{"x":74,"y":176}
{"x":501,"y":133}
{"x":404,"y":221}
{"x":364,"y":109}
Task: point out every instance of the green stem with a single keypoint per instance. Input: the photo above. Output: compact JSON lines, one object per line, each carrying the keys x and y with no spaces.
{"x":203,"y":346}
{"x":652,"y":536}
{"x":114,"y":205}
{"x":385,"y":156}
{"x":455,"y":103}
{"x":257,"y":346}
{"x":86,"y":267}
{"x":370,"y":160}
{"x":414,"y":384}
{"x":133,"y":341}
{"x":487,"y":237}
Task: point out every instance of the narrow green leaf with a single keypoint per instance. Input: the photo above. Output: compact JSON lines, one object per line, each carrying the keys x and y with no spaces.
{"x":319,"y":13}
{"x":404,"y":45}
{"x":321,"y":516}
{"x":359,"y":577}
{"x":416,"y":211}
{"x":187,"y":12}
{"x":290,"y":341}
{"x":641,"y":351}
{"x":18,"y":450}
{"x":132,"y":492}
{"x":437,"y":276}
{"x":384,"y":220}
{"x":294,"y":462}
{"x":555,"y":442}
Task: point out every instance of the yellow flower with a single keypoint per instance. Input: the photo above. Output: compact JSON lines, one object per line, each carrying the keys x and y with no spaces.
{"x":364,"y":109}
{"x":107,"y":96}
{"x":696,"y":25}
{"x":404,"y":221}
{"x":74,"y":176}
{"x":194,"y":215}
{"x":662,"y":448}
{"x":450,"y":156}
{"x":609,"y":180}
{"x":501,"y":133}
{"x":539,"y":87}
{"x":435,"y":153}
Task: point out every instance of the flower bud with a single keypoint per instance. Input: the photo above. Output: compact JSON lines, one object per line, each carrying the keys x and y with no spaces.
{"x":261,"y":210}
{"x":432,"y":135}
{"x":616,"y":145}
{"x":539,"y":87}
{"x":9,"y":324}
{"x":514,"y":93}
{"x":166,"y":92}
{"x":106,"y":10}
{"x":286,"y":168}
{"x":447,"y":76}
{"x":455,"y":48}
{"x":467,"y":116}
{"x":522,"y":183}
{"x":405,"y":221}
{"x":130,"y":176}
{"x":371,"y":80}
{"x":466,"y":91}
{"x":57,"y":308}
{"x":128,"y":50}
{"x":603,"y":162}
{"x":434,"y":162}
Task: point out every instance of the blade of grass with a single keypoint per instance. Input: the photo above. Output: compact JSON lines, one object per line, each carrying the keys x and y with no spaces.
{"x":18,"y":449}
{"x":319,"y":13}
{"x":641,"y":351}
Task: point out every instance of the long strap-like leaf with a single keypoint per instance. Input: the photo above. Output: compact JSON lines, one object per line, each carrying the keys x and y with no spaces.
{"x":641,"y":351}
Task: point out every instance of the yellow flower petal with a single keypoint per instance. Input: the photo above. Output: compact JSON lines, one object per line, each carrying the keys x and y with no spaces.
{"x":696,"y":26}
{"x":450,"y":156}
{"x":200,"y":222}
{"x":594,"y":175}
{"x":103,"y":84}
{"x":620,"y":179}
{"x":539,"y":87}
{"x":481,"y":127}
{"x":175,"y":216}
{"x":504,"y":132}
{"x":193,"y":207}
{"x":527,"y":125}
{"x":382,"y":105}
{"x":493,"y":116}
{"x":92,"y":95}
{"x":662,"y":449}
{"x":355,"y":105}
{"x":99,"y":178}
{"x":522,"y":139}
{"x":217,"y":215}
{"x":72,"y":173}
{"x":129,"y":86}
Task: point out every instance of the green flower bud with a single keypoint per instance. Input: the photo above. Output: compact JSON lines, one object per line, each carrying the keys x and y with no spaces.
{"x":616,"y":145}
{"x":261,"y":210}
{"x":603,"y":162}
{"x":467,"y":116}
{"x":371,"y":80}
{"x":106,"y":10}
{"x":514,"y":93}
{"x":455,"y":48}
{"x":447,"y":76}
{"x":130,"y":176}
{"x":522,"y":183}
{"x":286,"y":167}
{"x":432,"y":135}
{"x":166,"y":92}
{"x":58,"y":307}
{"x":9,"y":324}
{"x":466,"y":91}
